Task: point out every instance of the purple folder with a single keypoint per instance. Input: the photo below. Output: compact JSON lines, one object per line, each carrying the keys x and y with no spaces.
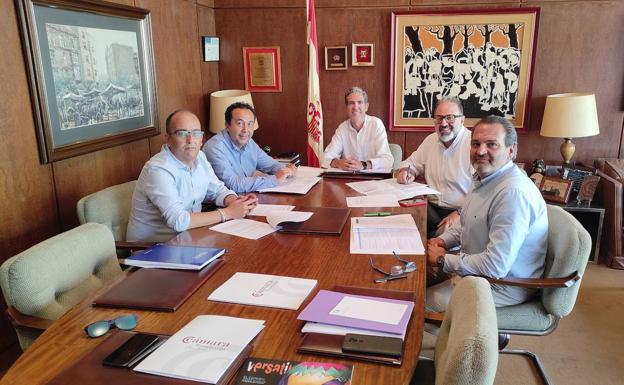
{"x":320,"y":306}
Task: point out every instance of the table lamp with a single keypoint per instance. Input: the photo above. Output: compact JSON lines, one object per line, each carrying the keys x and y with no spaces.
{"x":220,"y":101}
{"x":570,"y":116}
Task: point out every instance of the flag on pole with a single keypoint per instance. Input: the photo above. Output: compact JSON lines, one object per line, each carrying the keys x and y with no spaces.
{"x":314,"y":149}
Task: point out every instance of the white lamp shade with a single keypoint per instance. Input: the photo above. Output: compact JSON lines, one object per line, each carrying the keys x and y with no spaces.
{"x":220,"y":101}
{"x":570,"y":116}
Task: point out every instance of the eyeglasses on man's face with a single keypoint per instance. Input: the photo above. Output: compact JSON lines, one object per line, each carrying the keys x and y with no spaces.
{"x":450,"y":118}
{"x":99,"y":328}
{"x":187,"y":133}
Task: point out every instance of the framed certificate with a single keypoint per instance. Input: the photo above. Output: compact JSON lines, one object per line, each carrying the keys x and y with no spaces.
{"x":211,"y":48}
{"x":336,"y":58}
{"x":262,"y":69}
{"x":362,"y":54}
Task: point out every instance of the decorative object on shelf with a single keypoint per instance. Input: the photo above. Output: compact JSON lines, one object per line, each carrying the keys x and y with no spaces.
{"x":362,"y":54}
{"x":220,"y":101}
{"x":336,"y":58}
{"x":588,"y":189}
{"x":90,"y":68}
{"x":576,"y":174}
{"x":570,"y":116}
{"x":556,"y":189}
{"x":485,"y":57}
{"x":539,"y":166}
{"x":262,"y":69}
{"x":210,"y":46}
{"x":536,"y":177}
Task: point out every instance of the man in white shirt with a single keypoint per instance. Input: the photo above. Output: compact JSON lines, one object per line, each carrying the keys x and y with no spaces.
{"x":359,"y":142}
{"x":443,"y":158}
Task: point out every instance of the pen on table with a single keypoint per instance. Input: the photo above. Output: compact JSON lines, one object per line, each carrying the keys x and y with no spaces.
{"x":378,"y":214}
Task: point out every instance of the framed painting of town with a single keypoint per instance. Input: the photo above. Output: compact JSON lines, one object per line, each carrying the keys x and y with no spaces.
{"x":483,"y":57}
{"x":91,"y":74}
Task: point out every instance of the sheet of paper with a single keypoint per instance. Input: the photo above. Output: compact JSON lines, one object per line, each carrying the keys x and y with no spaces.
{"x":318,"y":327}
{"x":262,"y":210}
{"x":277,"y":217}
{"x":367,"y":171}
{"x":245,"y":228}
{"x":369,"y":310}
{"x":412,"y":189}
{"x":368,"y":186}
{"x":308,"y":172}
{"x":401,"y":221}
{"x":381,"y":200}
{"x":297,"y":185}
{"x":384,"y":235}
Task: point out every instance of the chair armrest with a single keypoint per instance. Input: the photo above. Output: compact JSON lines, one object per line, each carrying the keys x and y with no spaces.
{"x":538,"y":283}
{"x":26,"y":321}
{"x":133,"y":245}
{"x":435,"y":318}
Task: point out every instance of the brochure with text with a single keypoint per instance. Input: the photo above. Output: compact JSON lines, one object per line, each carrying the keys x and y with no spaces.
{"x":262,"y":371}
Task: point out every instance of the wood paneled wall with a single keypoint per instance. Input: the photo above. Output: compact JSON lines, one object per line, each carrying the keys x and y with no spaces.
{"x":579,"y":49}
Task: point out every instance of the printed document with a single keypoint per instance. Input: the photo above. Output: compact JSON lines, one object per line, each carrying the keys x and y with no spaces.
{"x":381,"y":200}
{"x":369,"y":310}
{"x":277,"y":217}
{"x":367,"y":171}
{"x":307,"y":172}
{"x":264,"y":290}
{"x":262,"y":210}
{"x":245,"y":228}
{"x":323,"y":328}
{"x":203,"y":349}
{"x":391,"y":186}
{"x":384,"y":235}
{"x":296,"y":185}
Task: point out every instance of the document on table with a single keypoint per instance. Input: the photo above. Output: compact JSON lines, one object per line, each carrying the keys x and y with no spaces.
{"x":262,"y":210}
{"x":245,"y":228}
{"x":369,"y":310}
{"x":296,"y":185}
{"x":381,"y":200}
{"x":323,"y":328}
{"x":368,"y":187}
{"x":367,"y":171}
{"x":384,"y":235}
{"x":308,"y":172}
{"x":411,"y":189}
{"x":277,"y":217}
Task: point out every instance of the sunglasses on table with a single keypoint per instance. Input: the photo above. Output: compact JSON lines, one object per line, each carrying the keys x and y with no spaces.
{"x":99,"y":328}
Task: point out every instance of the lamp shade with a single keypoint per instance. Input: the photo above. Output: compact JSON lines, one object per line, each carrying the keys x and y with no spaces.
{"x":220,"y":101}
{"x":570,"y":116}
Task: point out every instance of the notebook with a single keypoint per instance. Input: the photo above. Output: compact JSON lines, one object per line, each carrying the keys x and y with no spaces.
{"x":174,"y":257}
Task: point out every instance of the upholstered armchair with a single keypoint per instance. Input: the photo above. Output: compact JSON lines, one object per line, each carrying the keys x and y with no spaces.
{"x":466,"y":350}
{"x":44,"y":282}
{"x":397,"y":154}
{"x":609,"y":192}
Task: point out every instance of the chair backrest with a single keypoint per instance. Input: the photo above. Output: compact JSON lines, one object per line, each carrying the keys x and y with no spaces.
{"x":466,"y":351}
{"x":51,"y":277}
{"x":110,"y":207}
{"x":569,"y":246}
{"x":397,"y":154}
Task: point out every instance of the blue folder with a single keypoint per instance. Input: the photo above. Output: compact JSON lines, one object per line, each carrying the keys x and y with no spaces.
{"x":174,"y":257}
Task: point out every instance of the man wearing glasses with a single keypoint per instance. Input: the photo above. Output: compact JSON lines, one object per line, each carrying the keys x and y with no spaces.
{"x":173,"y":184}
{"x":359,"y":142}
{"x":236,"y":157}
{"x":443,"y":158}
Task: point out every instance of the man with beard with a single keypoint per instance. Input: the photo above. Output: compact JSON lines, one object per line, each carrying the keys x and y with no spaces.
{"x":443,"y":158}
{"x":360,"y":142}
{"x":173,"y":184}
{"x":503,"y":226}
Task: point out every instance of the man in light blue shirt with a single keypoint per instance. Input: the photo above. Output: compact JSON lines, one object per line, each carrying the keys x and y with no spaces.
{"x":173,"y":184}
{"x":236,"y":157}
{"x":503,"y":224}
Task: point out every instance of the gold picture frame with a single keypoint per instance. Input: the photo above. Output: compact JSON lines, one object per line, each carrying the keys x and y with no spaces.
{"x":362,"y":54}
{"x":263,"y":72}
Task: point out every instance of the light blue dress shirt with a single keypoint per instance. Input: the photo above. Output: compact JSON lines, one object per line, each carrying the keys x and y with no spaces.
{"x":504,"y":228}
{"x":166,"y":194}
{"x":236,"y":167}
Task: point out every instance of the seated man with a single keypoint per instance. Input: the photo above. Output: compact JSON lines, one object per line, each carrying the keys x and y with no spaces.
{"x":173,"y":184}
{"x":236,"y":157}
{"x":360,"y":142}
{"x":503,"y":225}
{"x":443,"y":158}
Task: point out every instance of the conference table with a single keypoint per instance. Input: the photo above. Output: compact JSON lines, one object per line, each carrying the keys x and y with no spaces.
{"x":325,"y":258}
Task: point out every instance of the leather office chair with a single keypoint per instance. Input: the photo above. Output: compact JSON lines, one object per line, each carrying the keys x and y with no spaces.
{"x":569,"y":246}
{"x":466,"y":350}
{"x":397,"y":154}
{"x":111,"y":207}
{"x":610,"y":194}
{"x":44,"y":282}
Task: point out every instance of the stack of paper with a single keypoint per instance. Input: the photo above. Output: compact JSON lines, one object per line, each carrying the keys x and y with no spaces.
{"x":391,"y":186}
{"x":174,"y":257}
{"x":296,"y":185}
{"x":203,"y":349}
{"x":262,"y":210}
{"x":385,"y":235}
{"x":381,"y":200}
{"x":332,"y":312}
{"x":251,"y":229}
{"x":264,"y":290}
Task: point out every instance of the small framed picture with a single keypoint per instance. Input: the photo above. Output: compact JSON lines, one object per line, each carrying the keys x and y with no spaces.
{"x":588,"y":188}
{"x":263,"y":70}
{"x":556,"y":189}
{"x":336,"y":58}
{"x":536,"y":177}
{"x":211,"y":48}
{"x":362,"y":54}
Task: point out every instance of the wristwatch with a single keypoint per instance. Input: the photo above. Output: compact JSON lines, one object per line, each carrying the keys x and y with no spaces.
{"x":364,"y":165}
{"x":440,"y":261}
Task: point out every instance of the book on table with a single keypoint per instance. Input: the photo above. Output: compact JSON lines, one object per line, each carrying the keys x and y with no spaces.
{"x":264,"y":290}
{"x":263,"y":371}
{"x":202,"y":350}
{"x":174,"y":257}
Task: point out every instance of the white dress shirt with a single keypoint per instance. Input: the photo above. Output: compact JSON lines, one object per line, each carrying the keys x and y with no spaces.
{"x":447,"y":170}
{"x":368,"y":144}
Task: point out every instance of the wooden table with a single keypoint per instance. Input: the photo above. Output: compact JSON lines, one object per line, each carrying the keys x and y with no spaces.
{"x":324,"y":258}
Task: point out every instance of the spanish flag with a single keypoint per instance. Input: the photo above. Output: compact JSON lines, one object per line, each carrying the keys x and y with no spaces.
{"x":314,"y":149}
